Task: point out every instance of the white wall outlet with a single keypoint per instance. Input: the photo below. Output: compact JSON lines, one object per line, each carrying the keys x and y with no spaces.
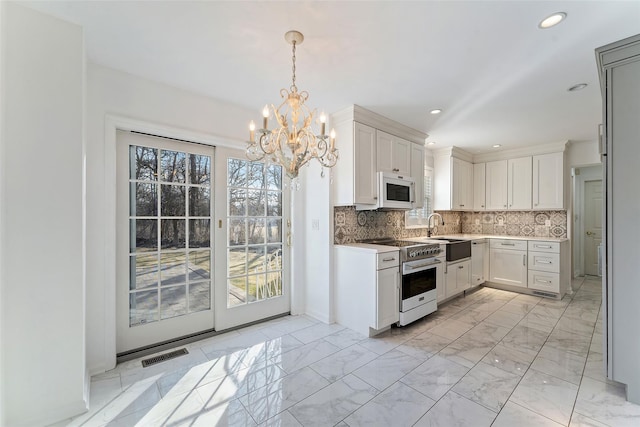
{"x":547,"y":223}
{"x":501,"y":221}
{"x":477,"y":222}
{"x":315,"y":224}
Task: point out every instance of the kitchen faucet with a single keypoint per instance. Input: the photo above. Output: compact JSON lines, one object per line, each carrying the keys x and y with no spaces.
{"x":429,"y":222}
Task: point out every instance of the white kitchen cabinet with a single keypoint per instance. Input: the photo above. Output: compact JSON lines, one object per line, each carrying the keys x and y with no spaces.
{"x":457,"y":277}
{"x":387,"y":297}
{"x":356,"y":167}
{"x":519,"y":183}
{"x":367,"y":288}
{"x":479,"y":262}
{"x":453,"y":180}
{"x":549,"y":265}
{"x":508,"y":262}
{"x":355,"y":173}
{"x":417,"y":173}
{"x":548,"y":181}
{"x":462,"y":185}
{"x":365,"y":184}
{"x":479,"y":186}
{"x":496,"y":185}
{"x":393,"y":154}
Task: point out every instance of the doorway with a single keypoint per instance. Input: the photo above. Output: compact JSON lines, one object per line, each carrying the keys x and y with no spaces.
{"x":200,"y":240}
{"x":164,"y":240}
{"x":587,"y":228}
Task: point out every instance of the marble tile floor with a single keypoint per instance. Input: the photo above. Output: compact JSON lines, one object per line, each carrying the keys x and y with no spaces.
{"x":491,"y":358}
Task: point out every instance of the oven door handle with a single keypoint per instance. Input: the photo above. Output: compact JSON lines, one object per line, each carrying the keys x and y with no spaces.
{"x":417,"y":267}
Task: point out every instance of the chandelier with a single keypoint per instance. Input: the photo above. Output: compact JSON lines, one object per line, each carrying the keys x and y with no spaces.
{"x":292,"y":144}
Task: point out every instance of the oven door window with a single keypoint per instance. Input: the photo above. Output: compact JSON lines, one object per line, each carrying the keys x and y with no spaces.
{"x":418,"y":283}
{"x":398,"y":193}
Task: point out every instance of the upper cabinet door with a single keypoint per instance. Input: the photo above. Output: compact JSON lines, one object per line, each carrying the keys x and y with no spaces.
{"x":462,"y":185}
{"x":548,"y":181}
{"x":479,"y":185}
{"x":394,"y":154}
{"x":365,"y":185}
{"x":417,"y":173}
{"x":519,"y":183}
{"x":496,"y":185}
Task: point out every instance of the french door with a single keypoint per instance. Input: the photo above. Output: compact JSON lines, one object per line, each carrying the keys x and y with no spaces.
{"x":164,"y":240}
{"x":253,"y":217}
{"x":184,"y":263}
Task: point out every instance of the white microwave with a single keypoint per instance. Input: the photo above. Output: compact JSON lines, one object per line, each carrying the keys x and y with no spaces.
{"x":395,"y":191}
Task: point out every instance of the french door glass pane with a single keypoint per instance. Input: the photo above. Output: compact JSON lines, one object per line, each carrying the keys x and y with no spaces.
{"x":254,"y":244}
{"x":168,"y":219}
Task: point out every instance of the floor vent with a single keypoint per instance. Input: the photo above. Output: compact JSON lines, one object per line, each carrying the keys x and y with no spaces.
{"x":544,"y":294}
{"x":161,"y":358}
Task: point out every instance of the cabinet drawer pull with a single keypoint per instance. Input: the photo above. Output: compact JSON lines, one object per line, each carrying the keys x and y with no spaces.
{"x":388,"y":259}
{"x":460,"y":266}
{"x":542,"y":246}
{"x":508,"y":244}
{"x":543,"y":281}
{"x":544,"y":262}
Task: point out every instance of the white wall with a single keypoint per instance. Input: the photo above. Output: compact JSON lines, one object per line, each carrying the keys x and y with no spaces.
{"x":583,"y":153}
{"x":318,"y":243}
{"x":111,"y":92}
{"x":43,"y":344}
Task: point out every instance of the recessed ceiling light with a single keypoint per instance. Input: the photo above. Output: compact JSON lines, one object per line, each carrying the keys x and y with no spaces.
{"x":431,"y":143}
{"x":436,"y":111}
{"x":577,"y":87}
{"x":497,"y":145}
{"x":552,"y":20}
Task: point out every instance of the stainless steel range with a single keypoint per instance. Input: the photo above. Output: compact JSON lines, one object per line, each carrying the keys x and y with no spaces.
{"x":422,"y":270}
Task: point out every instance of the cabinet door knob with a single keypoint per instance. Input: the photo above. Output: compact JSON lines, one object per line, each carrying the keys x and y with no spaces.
{"x":482,"y":206}
{"x":460,"y":266}
{"x":375,"y":198}
{"x":505,"y":206}
{"x":396,"y":170}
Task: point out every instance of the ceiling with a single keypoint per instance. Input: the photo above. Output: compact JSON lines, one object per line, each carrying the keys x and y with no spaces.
{"x":498,"y":78}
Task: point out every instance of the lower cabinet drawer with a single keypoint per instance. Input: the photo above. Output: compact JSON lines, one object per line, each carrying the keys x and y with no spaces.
{"x":388,"y":259}
{"x":543,"y":281}
{"x":542,"y":261}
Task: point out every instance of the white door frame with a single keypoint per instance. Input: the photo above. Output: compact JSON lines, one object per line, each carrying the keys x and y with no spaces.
{"x":587,"y":173}
{"x":113,"y":123}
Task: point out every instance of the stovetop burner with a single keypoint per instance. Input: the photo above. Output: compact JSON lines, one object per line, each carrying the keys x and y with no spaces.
{"x":409,"y":250}
{"x":391,"y":242}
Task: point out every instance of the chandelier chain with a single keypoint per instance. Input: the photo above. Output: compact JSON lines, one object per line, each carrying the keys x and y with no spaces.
{"x":293,"y":60}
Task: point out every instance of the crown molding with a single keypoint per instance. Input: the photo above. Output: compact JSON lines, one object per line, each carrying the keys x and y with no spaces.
{"x":359,"y":114}
{"x":513,"y":153}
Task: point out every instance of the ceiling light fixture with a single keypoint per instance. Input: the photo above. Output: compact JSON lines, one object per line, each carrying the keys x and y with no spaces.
{"x":497,"y":145}
{"x":577,"y":87}
{"x":436,"y":111}
{"x":292,"y":144}
{"x":552,"y":20}
{"x":431,"y":143}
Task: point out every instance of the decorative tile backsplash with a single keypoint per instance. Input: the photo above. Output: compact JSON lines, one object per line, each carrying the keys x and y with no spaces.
{"x":381,"y":224}
{"x":516,"y":223}
{"x":390,"y":224}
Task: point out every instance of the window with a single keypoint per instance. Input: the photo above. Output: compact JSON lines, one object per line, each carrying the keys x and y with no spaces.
{"x":254,"y":244}
{"x":417,"y":218}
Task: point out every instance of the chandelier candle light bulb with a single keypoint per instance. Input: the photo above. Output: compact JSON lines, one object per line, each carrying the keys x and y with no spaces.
{"x":293,"y":143}
{"x":252,"y":131}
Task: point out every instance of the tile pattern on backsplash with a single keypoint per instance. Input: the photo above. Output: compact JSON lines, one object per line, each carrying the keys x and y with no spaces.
{"x":390,"y":224}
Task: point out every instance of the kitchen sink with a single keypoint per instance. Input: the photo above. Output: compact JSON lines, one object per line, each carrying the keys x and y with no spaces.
{"x":445,"y":239}
{"x":456,"y":249}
